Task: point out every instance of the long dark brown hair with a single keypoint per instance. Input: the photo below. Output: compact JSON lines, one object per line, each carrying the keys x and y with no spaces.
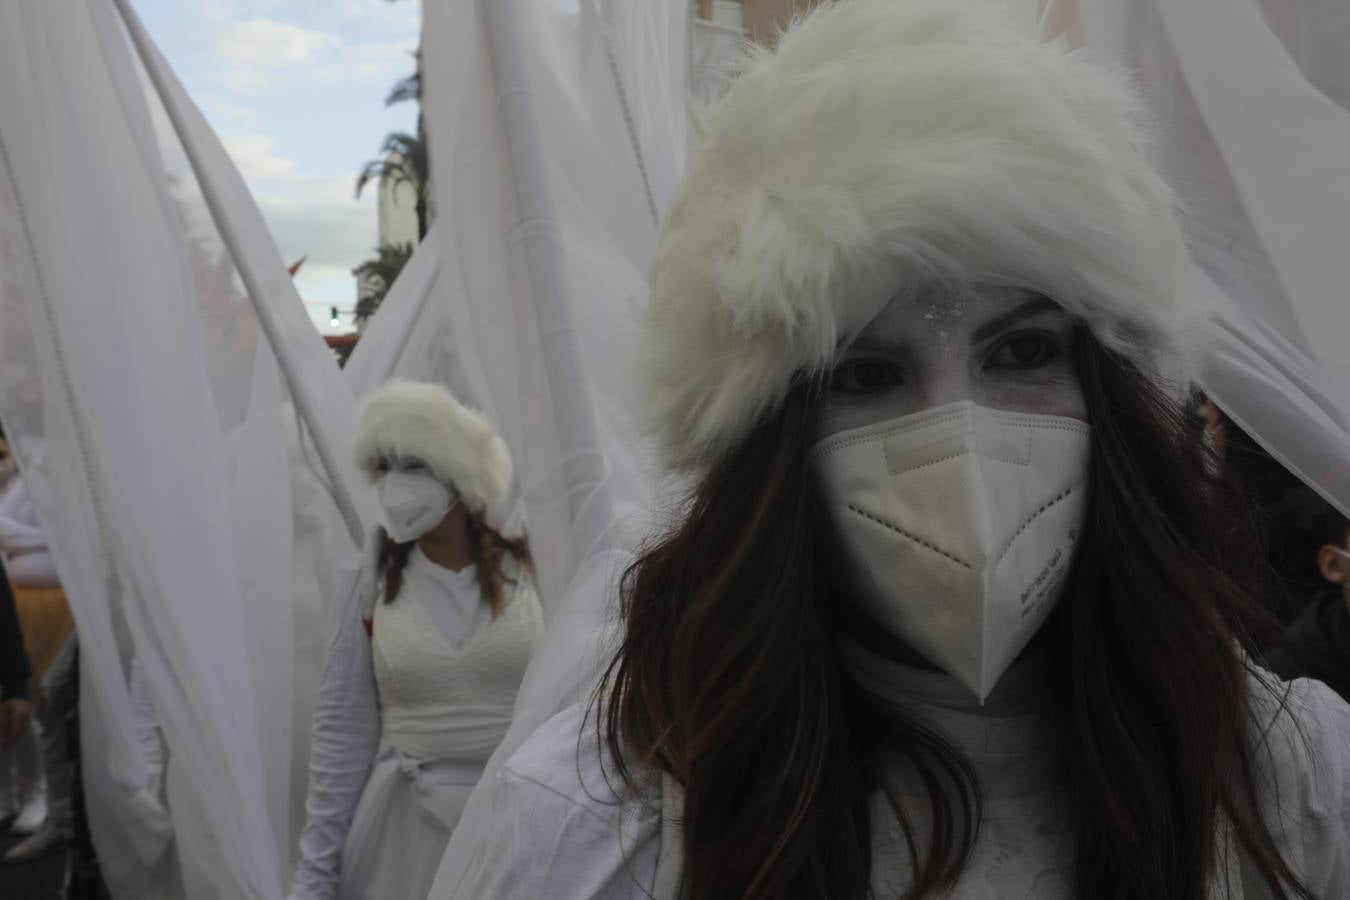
{"x":729,"y":676}
{"x":488,"y":547}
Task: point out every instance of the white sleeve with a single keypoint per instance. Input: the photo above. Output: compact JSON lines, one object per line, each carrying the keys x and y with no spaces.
{"x":1308,"y":797}
{"x":16,"y":537}
{"x":149,"y":825}
{"x":346,"y":736}
{"x":1325,"y":836}
{"x":145,"y":725}
{"x":558,"y":831}
{"x":541,"y":844}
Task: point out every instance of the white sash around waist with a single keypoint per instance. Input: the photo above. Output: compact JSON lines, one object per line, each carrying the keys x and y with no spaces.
{"x":462,"y":733}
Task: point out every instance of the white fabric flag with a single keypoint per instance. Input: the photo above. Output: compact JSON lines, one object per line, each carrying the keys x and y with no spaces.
{"x":1253,"y":107}
{"x":557,"y":131}
{"x":155,"y":359}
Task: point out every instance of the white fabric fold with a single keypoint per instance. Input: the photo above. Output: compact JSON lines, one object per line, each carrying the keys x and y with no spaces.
{"x":150,"y":407}
{"x":557,"y":127}
{"x":1252,"y":102}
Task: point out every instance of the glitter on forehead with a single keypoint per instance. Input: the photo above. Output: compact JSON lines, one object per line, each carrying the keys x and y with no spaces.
{"x":941,"y":313}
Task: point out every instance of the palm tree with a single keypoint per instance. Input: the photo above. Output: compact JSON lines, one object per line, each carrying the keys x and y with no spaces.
{"x":405,"y":159}
{"x":375,"y":277}
{"x":409,"y":87}
{"x":405,"y":162}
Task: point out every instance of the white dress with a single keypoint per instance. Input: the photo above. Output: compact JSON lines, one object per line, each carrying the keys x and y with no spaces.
{"x":407,"y":716}
{"x":559,"y":832}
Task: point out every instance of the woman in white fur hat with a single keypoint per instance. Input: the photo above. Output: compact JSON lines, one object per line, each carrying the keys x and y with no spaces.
{"x":945,"y":613}
{"x":432,"y":640}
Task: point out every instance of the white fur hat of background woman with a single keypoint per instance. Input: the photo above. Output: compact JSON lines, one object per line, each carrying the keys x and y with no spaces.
{"x":885,"y":148}
{"x":407,"y":420}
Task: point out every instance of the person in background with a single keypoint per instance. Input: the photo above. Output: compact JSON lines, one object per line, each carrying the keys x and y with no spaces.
{"x":1317,"y":643}
{"x":16,"y":707}
{"x":43,"y":609}
{"x":56,"y":709}
{"x":433,"y":637}
{"x":48,"y":627}
{"x":1285,"y":511}
{"x":22,"y":806}
{"x":8,"y":466}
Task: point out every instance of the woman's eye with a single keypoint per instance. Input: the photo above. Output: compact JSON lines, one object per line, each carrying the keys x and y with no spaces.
{"x":415,"y":466}
{"x":382,"y":466}
{"x":1023,"y":351}
{"x":865,"y":376}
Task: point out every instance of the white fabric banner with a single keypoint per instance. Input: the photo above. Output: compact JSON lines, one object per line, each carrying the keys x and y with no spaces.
{"x":1253,"y":105}
{"x":558,"y":134}
{"x":154,"y":363}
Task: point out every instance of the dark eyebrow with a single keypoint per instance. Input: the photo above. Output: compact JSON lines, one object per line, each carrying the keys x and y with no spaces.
{"x":1023,"y":311}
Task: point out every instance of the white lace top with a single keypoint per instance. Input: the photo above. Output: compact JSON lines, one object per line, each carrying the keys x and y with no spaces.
{"x":558,"y":832}
{"x":448,"y":693}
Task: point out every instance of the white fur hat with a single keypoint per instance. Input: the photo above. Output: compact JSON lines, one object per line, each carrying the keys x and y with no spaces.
{"x":883,"y":148}
{"x":405,"y":420}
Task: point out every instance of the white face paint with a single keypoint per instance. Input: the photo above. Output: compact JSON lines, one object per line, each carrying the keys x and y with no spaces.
{"x":953,"y":451}
{"x":998,"y":347}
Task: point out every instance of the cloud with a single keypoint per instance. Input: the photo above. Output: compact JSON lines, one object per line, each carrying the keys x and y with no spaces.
{"x":218,"y":12}
{"x":252,"y":152}
{"x":251,"y":54}
{"x":258,"y":54}
{"x":316,"y":216}
{"x":226,"y":114}
{"x":399,"y":16}
{"x":320,"y":218}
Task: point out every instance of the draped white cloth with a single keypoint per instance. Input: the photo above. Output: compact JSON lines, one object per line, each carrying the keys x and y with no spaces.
{"x":155,"y":359}
{"x":169,"y":518}
{"x":558,"y":130}
{"x":530,"y":223}
{"x":712,"y":51}
{"x":1252,"y":99}
{"x":169,"y":405}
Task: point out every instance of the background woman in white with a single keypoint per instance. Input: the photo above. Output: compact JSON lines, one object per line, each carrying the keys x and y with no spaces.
{"x":433,"y":637}
{"x":945,"y":612}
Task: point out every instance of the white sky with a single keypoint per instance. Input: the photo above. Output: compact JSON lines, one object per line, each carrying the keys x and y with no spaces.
{"x":295,"y":89}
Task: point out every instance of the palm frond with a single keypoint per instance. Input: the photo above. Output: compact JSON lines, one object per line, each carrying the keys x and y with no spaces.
{"x":377,"y":275}
{"x":408,"y":87}
{"x":393,"y":169}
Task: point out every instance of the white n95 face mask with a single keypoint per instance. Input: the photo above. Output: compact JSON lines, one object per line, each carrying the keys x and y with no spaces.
{"x":960,"y":522}
{"x":414,"y":503}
